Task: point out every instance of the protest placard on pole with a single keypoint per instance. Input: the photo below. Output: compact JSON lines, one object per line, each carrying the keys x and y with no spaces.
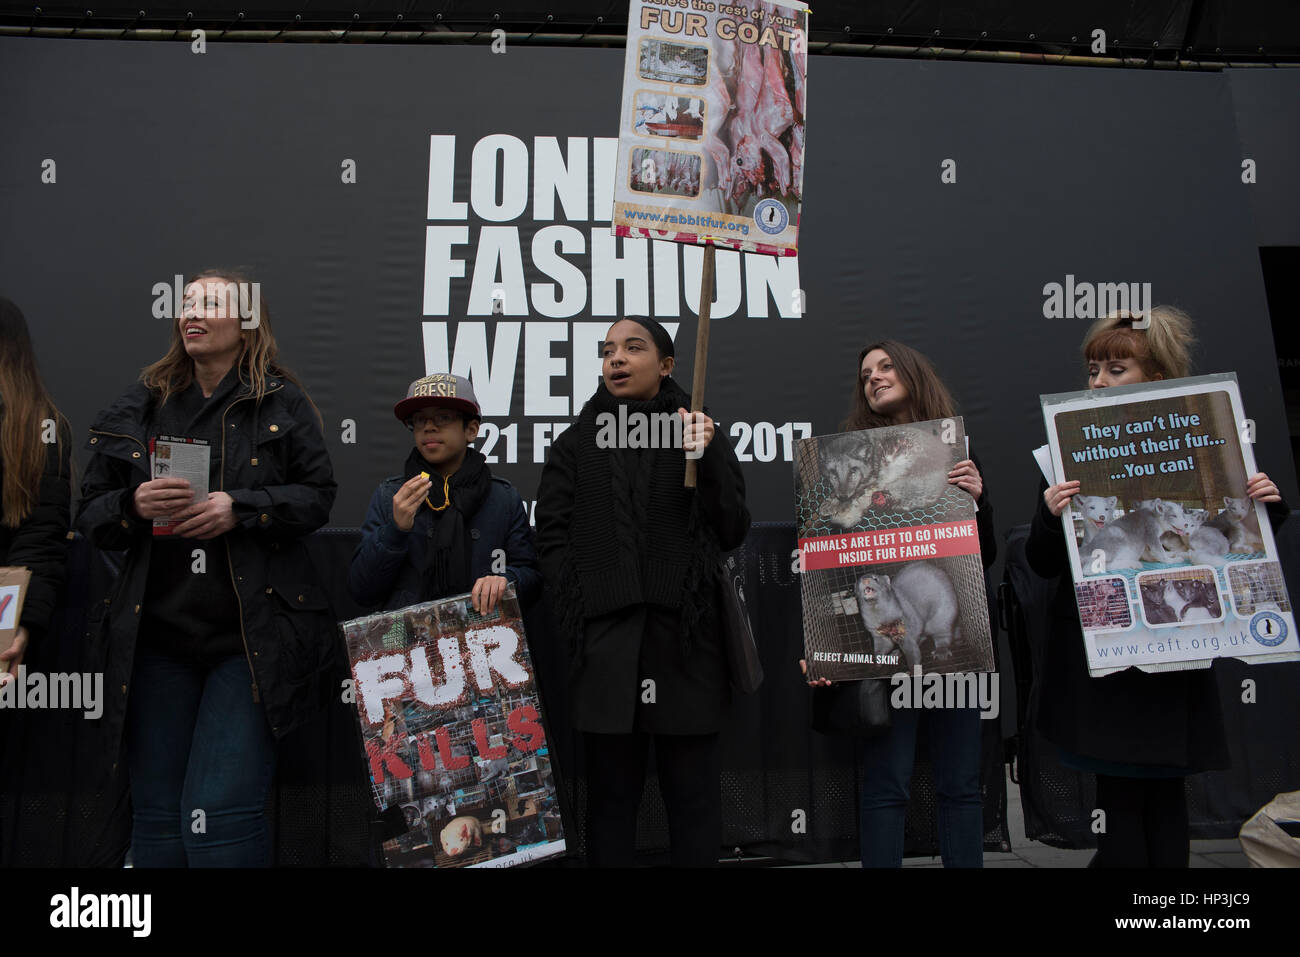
{"x":891,"y":576}
{"x":711,"y":135}
{"x":1173,"y":566}
{"x":454,"y":734}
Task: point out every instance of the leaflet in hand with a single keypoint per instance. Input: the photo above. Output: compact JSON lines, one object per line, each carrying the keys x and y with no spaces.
{"x":188,"y":459}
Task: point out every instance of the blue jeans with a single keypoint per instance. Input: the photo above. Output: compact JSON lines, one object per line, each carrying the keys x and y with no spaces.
{"x":196,"y":741}
{"x":887,"y":773}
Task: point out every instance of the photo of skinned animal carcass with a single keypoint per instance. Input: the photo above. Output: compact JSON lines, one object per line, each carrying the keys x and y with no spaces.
{"x":660,"y":171}
{"x":755,"y":99}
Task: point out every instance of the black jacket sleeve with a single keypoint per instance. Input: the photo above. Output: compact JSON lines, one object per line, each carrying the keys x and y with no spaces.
{"x":1277,"y":513}
{"x":555,"y":505}
{"x":984,"y":519}
{"x":302,"y":504}
{"x":721,"y":487}
{"x":1045,"y":548}
{"x":105,"y":514}
{"x":40,"y":542}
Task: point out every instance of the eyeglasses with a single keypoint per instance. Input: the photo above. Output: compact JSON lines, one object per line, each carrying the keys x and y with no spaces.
{"x":442,"y":418}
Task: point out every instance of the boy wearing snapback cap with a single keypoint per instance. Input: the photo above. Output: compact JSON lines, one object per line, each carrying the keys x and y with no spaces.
{"x":446,"y":525}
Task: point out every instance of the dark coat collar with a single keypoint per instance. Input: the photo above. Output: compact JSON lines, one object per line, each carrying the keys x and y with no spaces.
{"x":129,"y":412}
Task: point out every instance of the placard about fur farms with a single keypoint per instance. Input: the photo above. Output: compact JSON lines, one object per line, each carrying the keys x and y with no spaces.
{"x":454,"y":735}
{"x":891,"y":575}
{"x":711,"y":131}
{"x":1173,"y":566}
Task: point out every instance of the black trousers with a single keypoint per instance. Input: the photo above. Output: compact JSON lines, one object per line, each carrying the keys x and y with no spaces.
{"x":1146,"y":822}
{"x":690,"y":771}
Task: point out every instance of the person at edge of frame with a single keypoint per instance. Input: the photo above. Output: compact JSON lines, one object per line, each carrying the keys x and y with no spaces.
{"x":35,"y":485}
{"x":894,"y":384}
{"x":1140,"y":733}
{"x":446,"y":525}
{"x":630,"y":557}
{"x":219,"y":633}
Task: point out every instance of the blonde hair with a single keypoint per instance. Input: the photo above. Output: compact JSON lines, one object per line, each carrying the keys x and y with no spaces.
{"x":1163,"y":348}
{"x":257,"y":360}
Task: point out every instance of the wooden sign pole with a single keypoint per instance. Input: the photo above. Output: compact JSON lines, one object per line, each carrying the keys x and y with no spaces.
{"x":701,"y":349}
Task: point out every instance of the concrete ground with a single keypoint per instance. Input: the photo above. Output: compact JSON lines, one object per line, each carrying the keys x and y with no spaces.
{"x":1027,"y":853}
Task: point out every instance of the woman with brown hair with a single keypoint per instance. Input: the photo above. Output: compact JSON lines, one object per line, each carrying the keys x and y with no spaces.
{"x":1140,"y":733}
{"x":35,"y":484}
{"x":218,"y":631}
{"x":896,"y":385}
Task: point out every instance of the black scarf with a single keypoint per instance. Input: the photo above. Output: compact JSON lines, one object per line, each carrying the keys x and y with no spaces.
{"x":446,"y":570}
{"x":637,"y":535}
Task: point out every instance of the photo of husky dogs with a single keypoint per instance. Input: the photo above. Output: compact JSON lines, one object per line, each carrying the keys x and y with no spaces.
{"x":1177,"y":598}
{"x":1257,"y":586}
{"x":1103,"y":604}
{"x":1163,"y":532}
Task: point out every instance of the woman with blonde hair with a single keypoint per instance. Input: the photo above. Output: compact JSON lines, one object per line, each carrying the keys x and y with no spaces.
{"x":218,"y":630}
{"x":1140,"y":733}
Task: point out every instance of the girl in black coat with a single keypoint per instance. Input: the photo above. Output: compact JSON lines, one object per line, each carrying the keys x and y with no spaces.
{"x":1140,"y":733}
{"x":35,"y":485}
{"x":218,"y":634}
{"x":630,"y":556}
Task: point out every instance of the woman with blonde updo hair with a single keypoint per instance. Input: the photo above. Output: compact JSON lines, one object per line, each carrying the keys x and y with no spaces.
{"x":1163,"y":345}
{"x":1141,"y":734}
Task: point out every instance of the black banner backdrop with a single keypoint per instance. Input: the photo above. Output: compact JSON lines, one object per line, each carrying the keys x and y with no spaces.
{"x":164,"y":160}
{"x":940,"y":199}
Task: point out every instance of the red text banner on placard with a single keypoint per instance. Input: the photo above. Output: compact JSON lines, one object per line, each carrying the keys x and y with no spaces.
{"x":889,"y":545}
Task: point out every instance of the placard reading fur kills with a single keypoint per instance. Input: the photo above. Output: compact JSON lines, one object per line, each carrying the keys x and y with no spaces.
{"x":1173,"y":565}
{"x":453,"y":732}
{"x":889,"y":551}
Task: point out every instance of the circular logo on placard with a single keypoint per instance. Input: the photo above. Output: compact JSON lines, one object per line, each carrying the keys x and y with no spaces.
{"x":1268,"y":628}
{"x":771,"y":217}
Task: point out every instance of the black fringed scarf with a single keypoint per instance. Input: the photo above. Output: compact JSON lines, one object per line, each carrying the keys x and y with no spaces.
{"x":446,"y":570}
{"x":637,"y":535}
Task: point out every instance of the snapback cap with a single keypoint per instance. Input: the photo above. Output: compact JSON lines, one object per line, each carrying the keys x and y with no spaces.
{"x":440,"y":389}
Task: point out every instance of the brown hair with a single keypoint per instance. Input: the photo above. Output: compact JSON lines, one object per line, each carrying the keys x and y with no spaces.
{"x":928,"y":398}
{"x":1163,"y":349}
{"x":25,"y":407}
{"x":257,"y":360}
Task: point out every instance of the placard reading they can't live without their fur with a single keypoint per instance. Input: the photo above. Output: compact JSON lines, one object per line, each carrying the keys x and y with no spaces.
{"x":1173,"y":565}
{"x":891,"y":573}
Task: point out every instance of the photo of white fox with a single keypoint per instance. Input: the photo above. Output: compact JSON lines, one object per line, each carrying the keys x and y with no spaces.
{"x":1162,"y":532}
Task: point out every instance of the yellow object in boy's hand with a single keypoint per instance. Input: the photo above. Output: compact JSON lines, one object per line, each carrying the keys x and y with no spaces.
{"x":425,"y":474}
